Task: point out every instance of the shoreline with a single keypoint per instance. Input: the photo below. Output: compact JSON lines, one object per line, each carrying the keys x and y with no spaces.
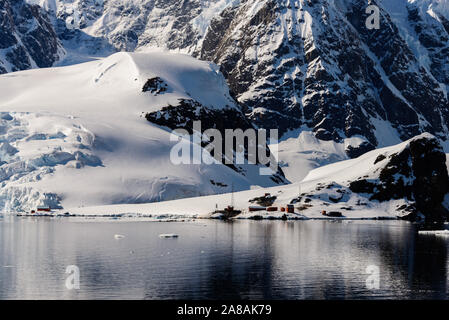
{"x":184,"y":218}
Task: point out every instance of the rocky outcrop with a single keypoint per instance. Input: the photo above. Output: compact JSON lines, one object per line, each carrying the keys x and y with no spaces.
{"x":406,"y":181}
{"x":183,"y":115}
{"x":129,"y":25}
{"x":27,"y":38}
{"x":418,"y":173}
{"x":155,"y":86}
{"x":314,"y":63}
{"x":433,"y":35}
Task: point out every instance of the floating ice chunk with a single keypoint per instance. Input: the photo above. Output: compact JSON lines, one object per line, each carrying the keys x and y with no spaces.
{"x":118,"y":236}
{"x":435,"y":232}
{"x":168,"y":235}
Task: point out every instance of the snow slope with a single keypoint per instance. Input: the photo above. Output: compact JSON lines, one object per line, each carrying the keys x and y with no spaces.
{"x":75,"y":136}
{"x":299,"y":153}
{"x":316,"y":190}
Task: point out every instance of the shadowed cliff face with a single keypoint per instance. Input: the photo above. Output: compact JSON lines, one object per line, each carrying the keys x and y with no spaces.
{"x":315,"y":63}
{"x":418,"y":173}
{"x":27,"y":38}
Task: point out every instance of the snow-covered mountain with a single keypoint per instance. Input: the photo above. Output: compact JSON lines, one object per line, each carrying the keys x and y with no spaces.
{"x":310,"y":68}
{"x":293,"y":64}
{"x":408,"y":180}
{"x":107,"y":26}
{"x":315,"y":64}
{"x":27,"y":37}
{"x":78,"y":135}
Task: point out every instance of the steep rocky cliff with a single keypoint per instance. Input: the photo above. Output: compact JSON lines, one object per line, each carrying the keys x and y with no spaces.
{"x":315,"y":63}
{"x":27,"y":38}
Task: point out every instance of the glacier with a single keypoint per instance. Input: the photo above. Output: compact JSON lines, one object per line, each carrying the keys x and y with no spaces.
{"x":78,"y":137}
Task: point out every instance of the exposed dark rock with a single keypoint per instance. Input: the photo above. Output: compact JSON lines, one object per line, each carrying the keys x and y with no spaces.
{"x":380,"y":158}
{"x":435,"y":38}
{"x":418,"y":173}
{"x":27,"y":37}
{"x":362,"y":186}
{"x":410,"y":212}
{"x":355,"y":152}
{"x":265,"y":200}
{"x":188,"y":111}
{"x":336,"y":214}
{"x":155,"y":86}
{"x":219,"y":184}
{"x":330,"y":82}
{"x":336,"y":199}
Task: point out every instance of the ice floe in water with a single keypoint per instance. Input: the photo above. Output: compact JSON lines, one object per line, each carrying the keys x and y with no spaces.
{"x":168,"y":235}
{"x":434,"y":232}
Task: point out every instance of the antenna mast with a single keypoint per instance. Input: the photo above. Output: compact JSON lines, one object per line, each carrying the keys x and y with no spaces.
{"x":232,"y":194}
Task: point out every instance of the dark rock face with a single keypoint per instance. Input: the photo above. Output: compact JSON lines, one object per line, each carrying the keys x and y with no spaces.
{"x":266,"y":200}
{"x":230,"y":48}
{"x":418,"y":173}
{"x":187,"y":111}
{"x":415,"y":84}
{"x":136,"y":24}
{"x":183,"y":115}
{"x":354,"y":152}
{"x":434,"y":36}
{"x":155,"y":86}
{"x":336,"y":76}
{"x":27,"y":37}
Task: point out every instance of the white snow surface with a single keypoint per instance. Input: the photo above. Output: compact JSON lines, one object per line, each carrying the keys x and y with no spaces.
{"x":339,"y":174}
{"x":76,"y":136}
{"x":300,"y":152}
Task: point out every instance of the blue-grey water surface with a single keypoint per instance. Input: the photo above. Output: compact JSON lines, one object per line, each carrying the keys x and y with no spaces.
{"x":219,"y":260}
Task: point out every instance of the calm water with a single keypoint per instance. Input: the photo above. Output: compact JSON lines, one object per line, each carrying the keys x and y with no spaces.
{"x":217,"y":260}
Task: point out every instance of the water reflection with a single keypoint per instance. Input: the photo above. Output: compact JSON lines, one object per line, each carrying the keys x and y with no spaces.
{"x":217,"y":260}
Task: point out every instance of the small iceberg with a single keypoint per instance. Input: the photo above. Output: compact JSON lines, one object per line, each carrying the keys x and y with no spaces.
{"x":168,"y":235}
{"x":118,"y":236}
{"x":435,"y":232}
